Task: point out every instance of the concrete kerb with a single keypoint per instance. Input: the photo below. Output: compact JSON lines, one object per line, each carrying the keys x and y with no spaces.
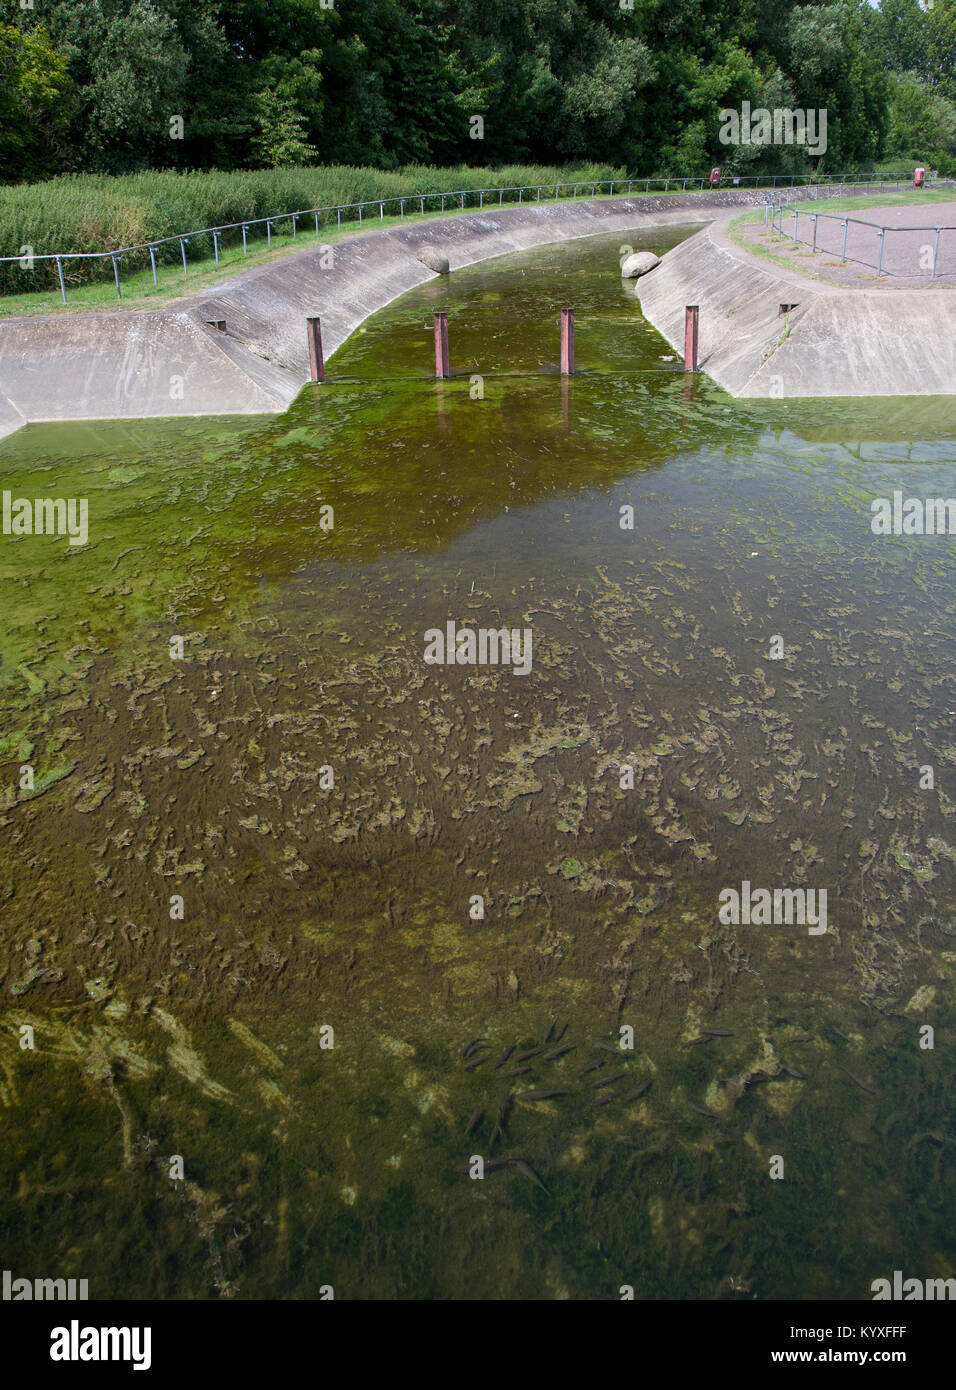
{"x":838,"y":341}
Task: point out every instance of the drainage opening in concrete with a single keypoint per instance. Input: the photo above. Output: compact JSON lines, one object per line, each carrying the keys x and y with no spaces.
{"x":786,"y":308}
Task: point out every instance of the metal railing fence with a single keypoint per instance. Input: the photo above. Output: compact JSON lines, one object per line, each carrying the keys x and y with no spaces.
{"x":927,"y":251}
{"x":164,"y":250}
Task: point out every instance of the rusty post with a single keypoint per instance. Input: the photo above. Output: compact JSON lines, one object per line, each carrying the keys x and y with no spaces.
{"x":567,"y":342}
{"x":441,"y":346}
{"x":316,"y":360}
{"x":691,"y":315}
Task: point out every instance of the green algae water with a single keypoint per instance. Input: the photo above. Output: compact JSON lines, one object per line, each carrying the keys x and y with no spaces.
{"x":300,"y":924}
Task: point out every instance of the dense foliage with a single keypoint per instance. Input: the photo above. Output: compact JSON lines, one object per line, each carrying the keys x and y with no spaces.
{"x":110,"y":85}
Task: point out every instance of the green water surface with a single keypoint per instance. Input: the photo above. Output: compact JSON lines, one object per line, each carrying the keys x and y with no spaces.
{"x":657,"y":752}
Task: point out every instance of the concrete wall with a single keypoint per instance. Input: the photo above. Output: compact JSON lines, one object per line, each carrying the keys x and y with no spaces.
{"x":841,"y":342}
{"x":168,"y":361}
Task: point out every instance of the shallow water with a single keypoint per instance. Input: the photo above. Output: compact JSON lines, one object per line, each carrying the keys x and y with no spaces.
{"x":307,"y":906}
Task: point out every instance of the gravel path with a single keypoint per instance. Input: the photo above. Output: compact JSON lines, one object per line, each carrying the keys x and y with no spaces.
{"x":909,"y":243}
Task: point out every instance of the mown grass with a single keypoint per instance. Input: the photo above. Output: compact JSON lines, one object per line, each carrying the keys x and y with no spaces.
{"x":97,"y":213}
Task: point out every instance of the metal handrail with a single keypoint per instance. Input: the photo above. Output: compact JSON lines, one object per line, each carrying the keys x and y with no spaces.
{"x":776,"y":216}
{"x":739,"y":181}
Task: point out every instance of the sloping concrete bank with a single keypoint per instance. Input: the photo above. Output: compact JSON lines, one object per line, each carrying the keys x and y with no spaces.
{"x":836,"y":342}
{"x":136,"y":364}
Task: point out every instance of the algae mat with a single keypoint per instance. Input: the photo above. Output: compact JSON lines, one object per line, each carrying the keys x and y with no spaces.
{"x":301,"y":924}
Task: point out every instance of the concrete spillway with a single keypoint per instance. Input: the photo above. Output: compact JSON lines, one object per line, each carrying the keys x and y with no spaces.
{"x":836,"y":342}
{"x":161,"y":362}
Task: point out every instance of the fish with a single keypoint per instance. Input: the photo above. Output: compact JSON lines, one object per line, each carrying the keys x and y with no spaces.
{"x":476,"y":1062}
{"x":704,"y":1038}
{"x":473,"y":1121}
{"x":531,"y":1052}
{"x":838,"y":1033}
{"x":701,"y":1111}
{"x":505,"y":1055}
{"x":547,"y":1036}
{"x":558,"y":1052}
{"x":591,"y":1066}
{"x":504,"y":1105}
{"x":496,"y":1134}
{"x":561,"y":1032}
{"x":521,"y":1071}
{"x":803,"y":1037}
{"x":608,"y":1080}
{"x":465,"y":1048}
{"x":530,"y":1174}
{"x":609,"y":1047}
{"x":490,"y":1164}
{"x":633,"y":1095}
{"x":606,"y":1100}
{"x":797,"y":1075}
{"x":864,"y":1085}
{"x":718,"y":1032}
{"x":539,"y":1095}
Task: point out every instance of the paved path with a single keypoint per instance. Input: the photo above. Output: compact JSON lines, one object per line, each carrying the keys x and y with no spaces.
{"x":907,"y":254}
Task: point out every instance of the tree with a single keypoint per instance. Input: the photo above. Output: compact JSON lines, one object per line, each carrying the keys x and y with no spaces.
{"x":36,"y":97}
{"x":923,"y":126}
{"x":280,"y":139}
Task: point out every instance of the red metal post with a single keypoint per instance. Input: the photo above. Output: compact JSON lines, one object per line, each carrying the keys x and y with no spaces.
{"x":691,"y":314}
{"x":567,"y":342}
{"x":316,"y":360}
{"x":441,"y":346}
